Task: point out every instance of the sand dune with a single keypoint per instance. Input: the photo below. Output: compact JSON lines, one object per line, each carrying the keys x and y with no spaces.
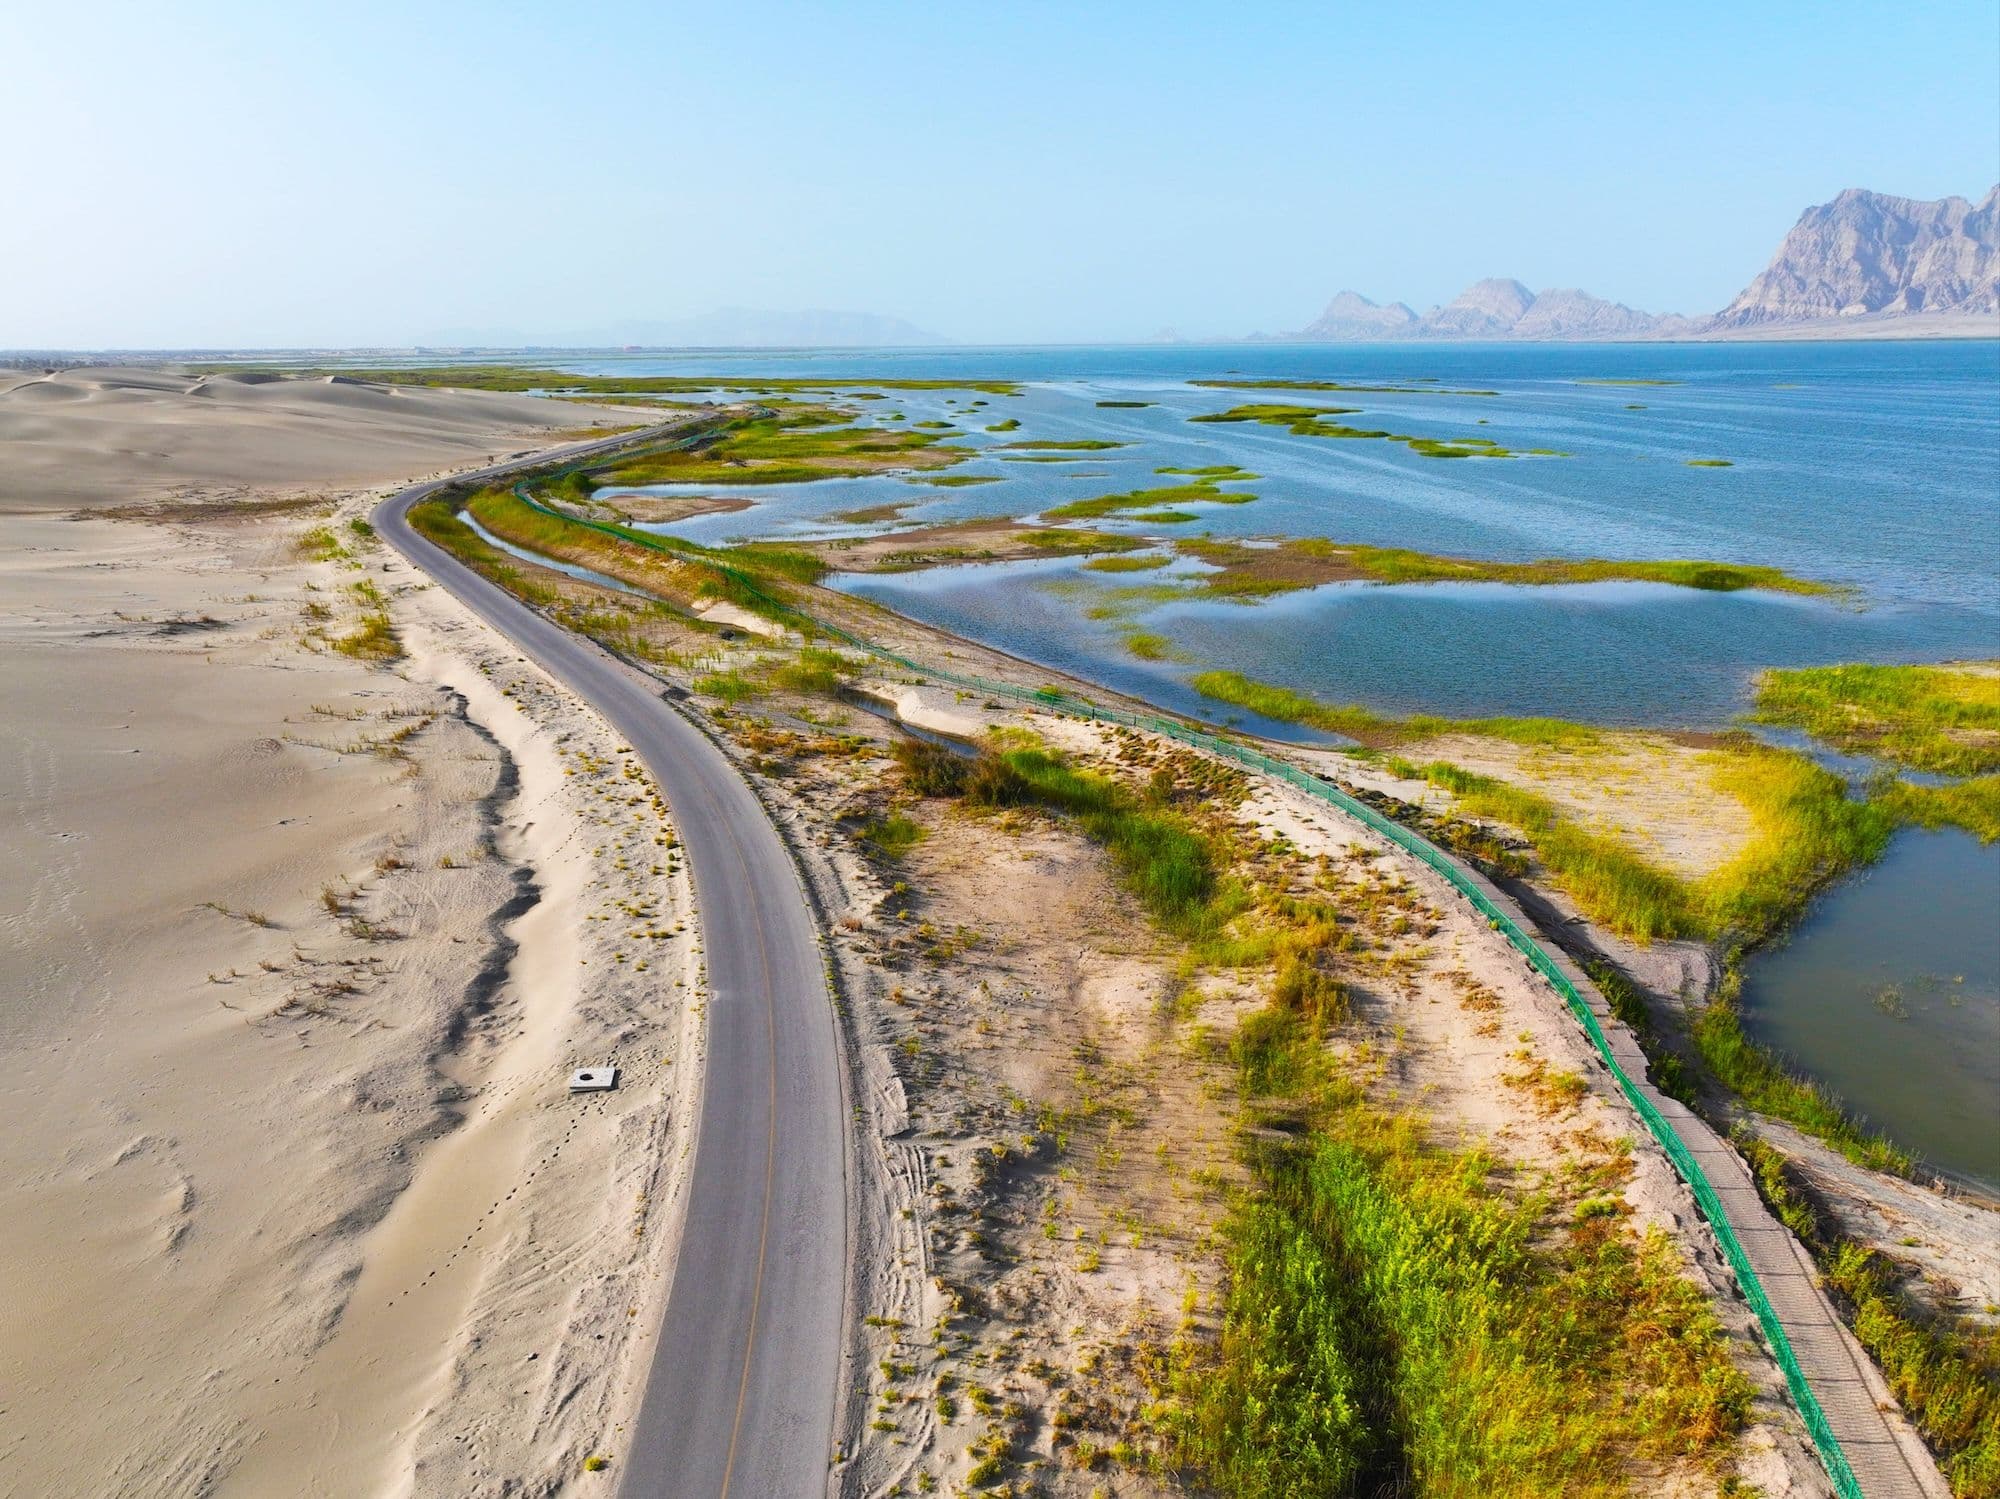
{"x":92,"y":436}
{"x":295,"y":959}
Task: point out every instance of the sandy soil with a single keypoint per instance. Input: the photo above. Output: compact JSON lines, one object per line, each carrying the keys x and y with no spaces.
{"x":88,"y":437}
{"x":300,"y":951}
{"x":1648,"y":790}
{"x":1053,"y":1141}
{"x":654,"y":509}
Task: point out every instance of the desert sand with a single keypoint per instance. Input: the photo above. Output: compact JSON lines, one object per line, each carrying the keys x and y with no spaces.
{"x":300,"y":949}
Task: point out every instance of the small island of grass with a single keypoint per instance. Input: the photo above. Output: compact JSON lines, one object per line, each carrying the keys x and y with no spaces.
{"x":1150,"y":647}
{"x":1212,"y":471}
{"x":1245,"y":571}
{"x":1073,"y":445}
{"x":1149,"y":499}
{"x":1711,"y":463}
{"x":1311,"y":421}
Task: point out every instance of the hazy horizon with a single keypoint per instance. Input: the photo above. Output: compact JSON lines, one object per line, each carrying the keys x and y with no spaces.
{"x":241,"y":178}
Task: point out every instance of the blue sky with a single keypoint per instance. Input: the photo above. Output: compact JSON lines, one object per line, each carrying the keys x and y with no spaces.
{"x":308,"y":173}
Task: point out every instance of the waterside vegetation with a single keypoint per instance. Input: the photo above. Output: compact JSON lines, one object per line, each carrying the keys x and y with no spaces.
{"x":1204,"y":490}
{"x":1314,"y":421}
{"x":1248,"y":571}
{"x":1943,"y":719}
{"x":1399,"y":1317}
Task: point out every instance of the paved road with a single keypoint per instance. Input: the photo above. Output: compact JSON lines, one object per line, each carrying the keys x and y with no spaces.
{"x":741,"y":1398}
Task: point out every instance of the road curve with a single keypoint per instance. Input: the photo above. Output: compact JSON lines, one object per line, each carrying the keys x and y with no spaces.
{"x":741,"y":1398}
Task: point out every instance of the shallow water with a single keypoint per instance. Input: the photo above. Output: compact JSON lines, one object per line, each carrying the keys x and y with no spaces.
{"x":569,"y":569}
{"x":1889,"y":991}
{"x":1874,"y":467}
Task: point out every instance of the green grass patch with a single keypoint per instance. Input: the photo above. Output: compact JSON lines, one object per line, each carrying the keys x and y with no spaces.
{"x":1227,"y":471}
{"x":1380,"y":730}
{"x":1075,"y":539}
{"x":1711,"y":463}
{"x":1005,"y":424}
{"x":894,"y":835}
{"x":373,"y":639}
{"x":1203,"y":490}
{"x":1074,"y":445}
{"x":1249,"y":572}
{"x":1150,"y":647}
{"x":1943,"y":719}
{"x":1613,"y":885}
{"x":1312,"y":421}
{"x":812,"y":670}
{"x":1161,"y":856}
{"x":770,"y":560}
{"x":1807,"y":830}
{"x":1141,"y":564}
{"x":1973,"y":805}
{"x":1400,"y":1319}
{"x":1124,"y":405}
{"x":753,"y":576}
{"x":1167,"y":517}
{"x":729,"y":686}
{"x":319,"y":544}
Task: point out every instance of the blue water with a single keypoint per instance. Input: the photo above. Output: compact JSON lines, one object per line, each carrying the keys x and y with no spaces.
{"x":1873,"y":466}
{"x":1889,"y":992}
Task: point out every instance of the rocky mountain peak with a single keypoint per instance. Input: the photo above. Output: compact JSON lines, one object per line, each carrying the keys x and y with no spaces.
{"x":1870,"y":253}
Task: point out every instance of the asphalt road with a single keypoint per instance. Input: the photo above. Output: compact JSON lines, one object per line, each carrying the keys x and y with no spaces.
{"x":741,"y":1398}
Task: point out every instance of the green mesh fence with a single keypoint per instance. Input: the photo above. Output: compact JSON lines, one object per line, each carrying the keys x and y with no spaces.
{"x":1663,"y":1133}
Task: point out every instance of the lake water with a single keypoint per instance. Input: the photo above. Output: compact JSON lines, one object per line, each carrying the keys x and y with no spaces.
{"x":1889,"y":991}
{"x":1873,"y":466}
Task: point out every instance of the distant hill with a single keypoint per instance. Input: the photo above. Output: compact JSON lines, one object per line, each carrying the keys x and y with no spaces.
{"x":1870,"y":255}
{"x":1864,"y":265}
{"x":1495,"y":308}
{"x":1351,"y":316}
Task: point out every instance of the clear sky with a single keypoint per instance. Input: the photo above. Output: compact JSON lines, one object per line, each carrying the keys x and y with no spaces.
{"x":298,"y":172}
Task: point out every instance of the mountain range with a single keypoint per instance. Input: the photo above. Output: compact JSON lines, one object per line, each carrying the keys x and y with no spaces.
{"x":1864,"y":265}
